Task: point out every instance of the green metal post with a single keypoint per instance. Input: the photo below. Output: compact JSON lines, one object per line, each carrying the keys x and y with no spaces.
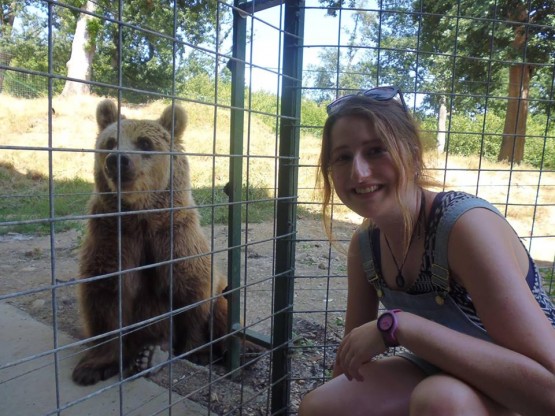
{"x":237,"y":66}
{"x":287,"y":202}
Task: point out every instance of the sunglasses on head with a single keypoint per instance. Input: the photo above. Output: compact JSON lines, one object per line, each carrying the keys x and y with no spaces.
{"x":378,"y":94}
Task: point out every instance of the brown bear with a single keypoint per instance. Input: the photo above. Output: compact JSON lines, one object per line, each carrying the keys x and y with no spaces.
{"x":144,"y":256}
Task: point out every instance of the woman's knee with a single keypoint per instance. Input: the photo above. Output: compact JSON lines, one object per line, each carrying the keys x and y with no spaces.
{"x":436,"y":395}
{"x":447,"y":396}
{"x":329,"y":399}
{"x":311,"y":404}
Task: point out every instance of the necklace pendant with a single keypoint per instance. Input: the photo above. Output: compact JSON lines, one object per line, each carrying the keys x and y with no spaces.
{"x":400,"y":280}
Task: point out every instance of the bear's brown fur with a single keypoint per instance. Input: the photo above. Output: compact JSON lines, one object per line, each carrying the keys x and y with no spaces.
{"x":138,"y":211}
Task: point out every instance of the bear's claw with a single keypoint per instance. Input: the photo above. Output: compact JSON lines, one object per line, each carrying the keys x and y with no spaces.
{"x":150,"y":356}
{"x":86,"y":375}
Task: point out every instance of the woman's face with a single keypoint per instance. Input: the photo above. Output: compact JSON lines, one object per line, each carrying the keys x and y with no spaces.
{"x":362,"y":169}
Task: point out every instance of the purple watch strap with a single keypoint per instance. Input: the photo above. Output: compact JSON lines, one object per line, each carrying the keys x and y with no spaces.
{"x":387,"y":325}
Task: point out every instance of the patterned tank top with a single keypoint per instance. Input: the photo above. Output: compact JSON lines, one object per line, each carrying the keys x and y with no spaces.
{"x":458,"y":293}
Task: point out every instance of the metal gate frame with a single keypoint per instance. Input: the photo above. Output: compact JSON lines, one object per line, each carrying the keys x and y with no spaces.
{"x":285,"y":231}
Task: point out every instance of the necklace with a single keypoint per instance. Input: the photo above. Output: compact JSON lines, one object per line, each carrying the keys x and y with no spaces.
{"x":400,"y":280}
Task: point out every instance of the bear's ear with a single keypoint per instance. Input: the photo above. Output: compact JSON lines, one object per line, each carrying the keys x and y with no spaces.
{"x":180,"y":120}
{"x":106,"y":114}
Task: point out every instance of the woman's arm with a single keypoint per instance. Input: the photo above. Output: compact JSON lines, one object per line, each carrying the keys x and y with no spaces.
{"x":362,"y":300}
{"x":518,"y":371}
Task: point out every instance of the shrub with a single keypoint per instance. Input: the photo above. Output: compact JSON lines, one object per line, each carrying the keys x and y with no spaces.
{"x":473,"y":137}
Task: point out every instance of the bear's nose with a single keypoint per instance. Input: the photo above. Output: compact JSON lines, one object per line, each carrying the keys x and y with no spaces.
{"x":112,"y":161}
{"x":125,"y":166}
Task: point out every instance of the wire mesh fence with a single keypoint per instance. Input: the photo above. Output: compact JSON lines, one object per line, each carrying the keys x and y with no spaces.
{"x":254,"y":79}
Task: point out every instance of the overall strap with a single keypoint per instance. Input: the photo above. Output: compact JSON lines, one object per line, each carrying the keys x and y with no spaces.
{"x":440,"y":265}
{"x":451,"y":213}
{"x":366,"y":251}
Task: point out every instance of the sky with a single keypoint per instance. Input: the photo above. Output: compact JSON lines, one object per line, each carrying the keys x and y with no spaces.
{"x":319,"y":29}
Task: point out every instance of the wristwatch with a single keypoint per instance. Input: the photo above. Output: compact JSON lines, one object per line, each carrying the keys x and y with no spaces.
{"x":387,"y":325}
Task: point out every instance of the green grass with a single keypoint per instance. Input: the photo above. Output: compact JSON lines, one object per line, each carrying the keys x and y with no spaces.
{"x":25,"y":198}
{"x":258,"y":205}
{"x":24,"y":173}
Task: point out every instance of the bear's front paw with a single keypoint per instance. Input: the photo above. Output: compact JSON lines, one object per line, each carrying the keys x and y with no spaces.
{"x":86,"y":374}
{"x":150,"y":356}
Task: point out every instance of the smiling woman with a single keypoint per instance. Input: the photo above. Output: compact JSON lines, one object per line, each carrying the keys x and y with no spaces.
{"x":372,"y":135}
{"x":466,"y":329}
{"x":361,"y":167}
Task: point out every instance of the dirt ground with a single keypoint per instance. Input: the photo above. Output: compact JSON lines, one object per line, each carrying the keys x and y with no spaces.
{"x":27,"y":264}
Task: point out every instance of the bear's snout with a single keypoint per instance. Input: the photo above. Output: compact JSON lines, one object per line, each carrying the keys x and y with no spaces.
{"x":126,"y":167}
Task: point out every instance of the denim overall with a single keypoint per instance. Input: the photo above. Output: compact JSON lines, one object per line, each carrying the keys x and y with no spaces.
{"x":437,"y":306}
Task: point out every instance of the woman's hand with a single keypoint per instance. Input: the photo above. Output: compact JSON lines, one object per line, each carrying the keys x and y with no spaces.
{"x":359,"y":347}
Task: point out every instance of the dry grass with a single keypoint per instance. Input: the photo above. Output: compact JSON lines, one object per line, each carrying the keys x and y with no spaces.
{"x":27,"y":144}
{"x":71,"y":138}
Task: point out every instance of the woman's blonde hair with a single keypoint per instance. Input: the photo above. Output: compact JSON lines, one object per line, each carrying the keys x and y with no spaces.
{"x":398,"y":131}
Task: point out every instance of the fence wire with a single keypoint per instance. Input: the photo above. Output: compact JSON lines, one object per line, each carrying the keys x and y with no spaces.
{"x":252,"y":141}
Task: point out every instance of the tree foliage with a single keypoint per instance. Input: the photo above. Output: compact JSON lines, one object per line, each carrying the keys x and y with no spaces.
{"x":155,"y":43}
{"x":144,"y":53}
{"x":24,"y":43}
{"x":489,"y":42}
{"x":344,"y":68}
{"x":471,"y":57}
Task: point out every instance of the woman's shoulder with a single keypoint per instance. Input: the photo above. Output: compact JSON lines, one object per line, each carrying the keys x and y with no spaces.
{"x":447,"y":209}
{"x":359,"y":234}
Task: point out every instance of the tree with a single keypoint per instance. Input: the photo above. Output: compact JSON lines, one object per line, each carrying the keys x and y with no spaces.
{"x":7,"y":17}
{"x":153,"y":46}
{"x":389,"y":54}
{"x":24,"y":44}
{"x":144,"y":46}
{"x":82,"y":53}
{"x":512,"y":37}
{"x":464,"y":54}
{"x":342,"y":67}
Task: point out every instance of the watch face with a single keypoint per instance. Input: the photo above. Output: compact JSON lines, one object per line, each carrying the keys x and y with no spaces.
{"x":386,"y":322}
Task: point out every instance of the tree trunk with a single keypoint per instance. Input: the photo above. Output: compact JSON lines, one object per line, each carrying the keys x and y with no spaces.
{"x":441,"y":125}
{"x":82,"y":53}
{"x":6,"y":25}
{"x":514,"y":132}
{"x":4,"y":60}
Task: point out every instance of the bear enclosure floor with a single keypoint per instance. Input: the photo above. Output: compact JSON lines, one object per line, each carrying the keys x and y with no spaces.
{"x":26,"y":265}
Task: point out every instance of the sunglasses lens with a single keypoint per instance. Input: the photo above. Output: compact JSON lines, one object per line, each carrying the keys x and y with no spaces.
{"x":379,"y":94}
{"x":335,"y":103}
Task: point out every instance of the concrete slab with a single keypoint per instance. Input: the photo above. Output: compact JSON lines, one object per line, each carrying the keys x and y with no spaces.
{"x":35,"y":381}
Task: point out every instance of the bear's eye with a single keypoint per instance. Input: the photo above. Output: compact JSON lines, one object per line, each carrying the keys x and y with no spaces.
{"x":144,"y":143}
{"x":110,"y":143}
